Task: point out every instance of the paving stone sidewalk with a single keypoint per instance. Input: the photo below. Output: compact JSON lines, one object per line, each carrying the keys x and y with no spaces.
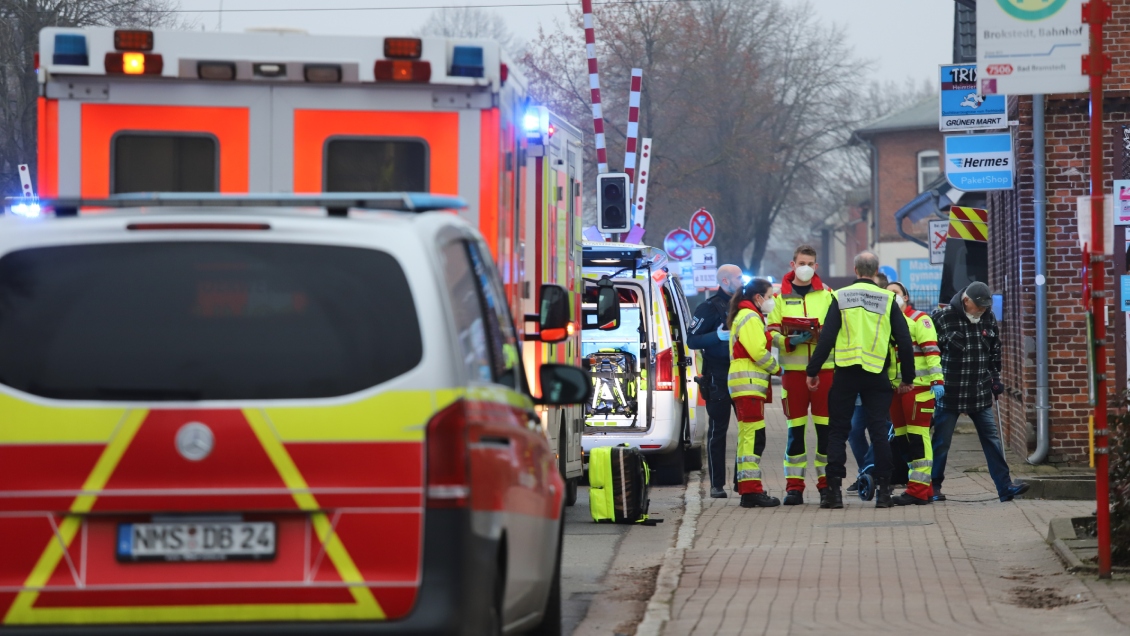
{"x":972,"y":565}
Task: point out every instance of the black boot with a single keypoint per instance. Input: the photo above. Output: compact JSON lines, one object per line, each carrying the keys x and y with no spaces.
{"x":794,"y":498}
{"x":907,"y":499}
{"x":824,"y":497}
{"x":883,"y":493}
{"x":759,"y":500}
{"x":835,"y":497}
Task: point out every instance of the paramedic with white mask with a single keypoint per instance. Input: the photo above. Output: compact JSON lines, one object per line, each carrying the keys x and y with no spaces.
{"x":709,"y":335}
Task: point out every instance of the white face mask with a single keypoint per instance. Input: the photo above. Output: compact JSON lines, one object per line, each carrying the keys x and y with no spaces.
{"x":767,"y":306}
{"x":804,"y":273}
{"x":901,"y":302}
{"x":973,"y":318}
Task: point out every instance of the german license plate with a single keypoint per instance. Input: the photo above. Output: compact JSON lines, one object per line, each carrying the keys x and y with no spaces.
{"x":196,"y":541}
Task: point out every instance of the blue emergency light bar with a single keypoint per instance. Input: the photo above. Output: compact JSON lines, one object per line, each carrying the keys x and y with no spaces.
{"x":467,"y":61}
{"x":335,"y":203}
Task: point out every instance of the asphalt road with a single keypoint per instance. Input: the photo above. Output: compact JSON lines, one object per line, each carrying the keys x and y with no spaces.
{"x":608,"y":570}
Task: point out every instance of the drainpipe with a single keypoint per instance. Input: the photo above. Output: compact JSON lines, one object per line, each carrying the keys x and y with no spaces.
{"x":1043,"y":425}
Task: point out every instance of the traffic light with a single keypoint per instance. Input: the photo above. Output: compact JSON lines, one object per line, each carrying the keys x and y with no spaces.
{"x":613,"y":214}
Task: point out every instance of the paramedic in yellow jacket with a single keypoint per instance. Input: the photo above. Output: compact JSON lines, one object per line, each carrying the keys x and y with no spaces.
{"x":911,"y":411}
{"x":803,"y":295}
{"x":751,"y":366}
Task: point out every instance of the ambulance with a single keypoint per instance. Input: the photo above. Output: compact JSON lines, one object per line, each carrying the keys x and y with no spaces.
{"x":124,"y":111}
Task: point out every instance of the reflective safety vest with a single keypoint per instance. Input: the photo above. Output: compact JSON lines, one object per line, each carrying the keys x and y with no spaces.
{"x":865,"y":332}
{"x":790,"y":304}
{"x":751,"y":360}
{"x":927,"y":355}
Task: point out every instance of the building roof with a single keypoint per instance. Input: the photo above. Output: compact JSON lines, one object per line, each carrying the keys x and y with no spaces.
{"x":921,"y":115}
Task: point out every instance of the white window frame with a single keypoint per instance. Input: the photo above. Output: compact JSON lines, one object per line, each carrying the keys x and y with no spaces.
{"x":922,"y":183}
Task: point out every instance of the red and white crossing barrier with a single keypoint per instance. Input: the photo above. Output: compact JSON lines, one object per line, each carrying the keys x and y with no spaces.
{"x":633,"y":124}
{"x":594,"y":86}
{"x":640,"y":198}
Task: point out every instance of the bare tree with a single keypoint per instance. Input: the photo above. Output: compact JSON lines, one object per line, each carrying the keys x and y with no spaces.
{"x":747,"y":102}
{"x":471,"y":22}
{"x":20,"y":24}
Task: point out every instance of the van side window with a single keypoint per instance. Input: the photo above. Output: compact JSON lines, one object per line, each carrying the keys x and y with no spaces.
{"x":466,"y":310}
{"x":374,"y":164}
{"x":146,"y":162}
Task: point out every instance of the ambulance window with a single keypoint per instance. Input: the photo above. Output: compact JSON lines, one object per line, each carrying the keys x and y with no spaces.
{"x":145,"y":162}
{"x":161,"y":321}
{"x":376,"y":165}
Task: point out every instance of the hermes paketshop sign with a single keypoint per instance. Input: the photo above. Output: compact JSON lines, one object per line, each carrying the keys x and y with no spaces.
{"x":1028,"y":47}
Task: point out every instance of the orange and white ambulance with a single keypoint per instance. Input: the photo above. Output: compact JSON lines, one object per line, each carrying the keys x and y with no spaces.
{"x":281,"y":111}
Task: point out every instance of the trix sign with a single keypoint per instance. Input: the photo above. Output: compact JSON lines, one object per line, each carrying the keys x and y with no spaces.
{"x":961,"y":107}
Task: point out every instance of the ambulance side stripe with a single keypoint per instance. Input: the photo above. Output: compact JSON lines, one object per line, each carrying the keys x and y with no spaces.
{"x":20,"y":612}
{"x":293,"y":479}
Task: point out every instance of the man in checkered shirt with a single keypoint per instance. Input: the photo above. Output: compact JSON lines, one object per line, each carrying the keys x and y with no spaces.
{"x":971,"y":363}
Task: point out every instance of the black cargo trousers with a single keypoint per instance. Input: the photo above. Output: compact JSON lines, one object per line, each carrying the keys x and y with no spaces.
{"x":875,"y":393}
{"x":719,"y":407}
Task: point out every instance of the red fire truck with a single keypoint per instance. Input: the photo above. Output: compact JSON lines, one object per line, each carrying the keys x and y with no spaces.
{"x":281,"y":111}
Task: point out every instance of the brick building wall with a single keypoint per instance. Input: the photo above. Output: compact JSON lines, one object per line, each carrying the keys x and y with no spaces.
{"x":898,"y":176}
{"x":1012,"y":261}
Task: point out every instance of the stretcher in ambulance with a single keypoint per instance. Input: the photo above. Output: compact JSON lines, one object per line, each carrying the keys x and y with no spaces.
{"x":125,"y":111}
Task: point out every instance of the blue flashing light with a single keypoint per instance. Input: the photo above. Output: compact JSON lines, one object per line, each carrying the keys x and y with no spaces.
{"x":746,"y":279}
{"x":28,"y":209}
{"x":70,"y":49}
{"x":467,"y":61}
{"x":532,"y":122}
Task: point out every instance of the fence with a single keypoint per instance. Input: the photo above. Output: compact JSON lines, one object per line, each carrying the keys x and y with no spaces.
{"x":924,"y":298}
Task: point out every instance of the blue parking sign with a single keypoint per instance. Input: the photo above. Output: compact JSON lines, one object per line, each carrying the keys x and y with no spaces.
{"x":962,"y":108}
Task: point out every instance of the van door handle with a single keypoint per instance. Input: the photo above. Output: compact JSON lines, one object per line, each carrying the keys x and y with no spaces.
{"x":494,"y":440}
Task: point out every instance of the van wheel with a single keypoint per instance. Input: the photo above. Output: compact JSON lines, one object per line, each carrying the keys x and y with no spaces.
{"x":669,"y":468}
{"x":571,"y":491}
{"x":493,"y":625}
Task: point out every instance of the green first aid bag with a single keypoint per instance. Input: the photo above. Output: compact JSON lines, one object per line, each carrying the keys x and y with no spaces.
{"x":618,"y":485}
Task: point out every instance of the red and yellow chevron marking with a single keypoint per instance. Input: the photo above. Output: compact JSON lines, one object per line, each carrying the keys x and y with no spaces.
{"x":969,"y":224}
{"x":109,"y":460}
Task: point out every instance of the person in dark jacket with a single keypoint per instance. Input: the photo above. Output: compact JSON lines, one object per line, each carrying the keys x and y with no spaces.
{"x":709,"y":335}
{"x":971,"y":364}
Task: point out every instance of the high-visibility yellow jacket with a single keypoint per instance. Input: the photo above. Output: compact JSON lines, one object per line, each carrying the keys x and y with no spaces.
{"x":864,"y":338}
{"x":751,"y":360}
{"x":789,"y":304}
{"x":927,"y":355}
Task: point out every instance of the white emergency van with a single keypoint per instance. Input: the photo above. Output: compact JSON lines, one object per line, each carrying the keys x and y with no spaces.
{"x":643,"y":373}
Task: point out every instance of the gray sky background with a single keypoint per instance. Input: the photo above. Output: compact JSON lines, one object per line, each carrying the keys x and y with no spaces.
{"x":901,"y":38}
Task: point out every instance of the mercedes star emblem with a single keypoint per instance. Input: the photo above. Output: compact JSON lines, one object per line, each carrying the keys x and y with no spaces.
{"x":195,"y":441}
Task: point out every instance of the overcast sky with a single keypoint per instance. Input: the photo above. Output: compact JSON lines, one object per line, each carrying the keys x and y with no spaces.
{"x":902,"y":38}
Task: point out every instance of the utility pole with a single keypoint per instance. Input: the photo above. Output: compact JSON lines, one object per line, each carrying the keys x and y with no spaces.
{"x":1096,"y":64}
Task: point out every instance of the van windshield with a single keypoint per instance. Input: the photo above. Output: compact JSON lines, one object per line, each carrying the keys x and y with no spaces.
{"x":204,"y":321}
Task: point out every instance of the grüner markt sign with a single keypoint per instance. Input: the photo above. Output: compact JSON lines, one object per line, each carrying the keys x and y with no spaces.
{"x":1028,"y":47}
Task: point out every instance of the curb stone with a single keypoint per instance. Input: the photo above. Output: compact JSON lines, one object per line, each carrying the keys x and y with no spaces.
{"x":1063,"y":539}
{"x":659,"y":605}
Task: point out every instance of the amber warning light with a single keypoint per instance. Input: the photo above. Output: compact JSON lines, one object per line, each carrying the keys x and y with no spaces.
{"x":134,"y":64}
